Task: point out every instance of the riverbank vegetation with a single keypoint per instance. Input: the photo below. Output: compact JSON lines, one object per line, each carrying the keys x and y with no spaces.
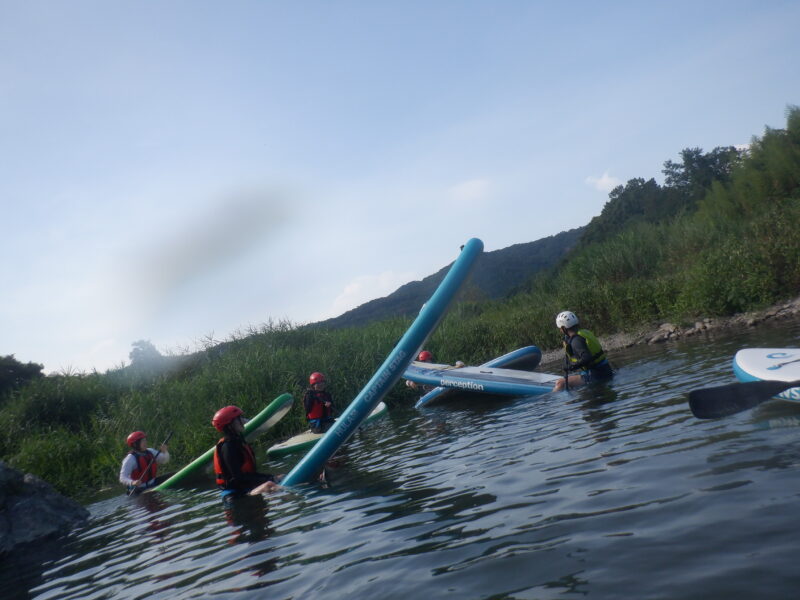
{"x":720,"y":236}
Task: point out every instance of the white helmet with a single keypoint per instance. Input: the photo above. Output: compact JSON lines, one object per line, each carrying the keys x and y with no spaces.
{"x":566,"y":319}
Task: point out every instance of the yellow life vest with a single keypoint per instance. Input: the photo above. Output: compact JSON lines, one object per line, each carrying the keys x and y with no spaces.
{"x":592,"y":343}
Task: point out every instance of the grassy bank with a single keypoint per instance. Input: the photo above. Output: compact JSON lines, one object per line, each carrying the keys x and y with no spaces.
{"x":736,"y":247}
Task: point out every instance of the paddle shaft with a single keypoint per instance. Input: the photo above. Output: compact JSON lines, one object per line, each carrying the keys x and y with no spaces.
{"x":724,"y":400}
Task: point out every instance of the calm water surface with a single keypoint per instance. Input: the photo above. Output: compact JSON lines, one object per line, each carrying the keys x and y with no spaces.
{"x":611,"y":492}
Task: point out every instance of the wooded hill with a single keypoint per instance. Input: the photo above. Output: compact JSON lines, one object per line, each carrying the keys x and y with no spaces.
{"x":497,"y":274}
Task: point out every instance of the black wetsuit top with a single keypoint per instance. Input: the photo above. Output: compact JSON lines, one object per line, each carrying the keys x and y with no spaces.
{"x":578,"y":347}
{"x":232,"y":457}
{"x":580,"y":350}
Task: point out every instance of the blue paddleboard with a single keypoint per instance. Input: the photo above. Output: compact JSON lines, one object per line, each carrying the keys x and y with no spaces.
{"x":487,"y":380}
{"x":526,"y":358}
{"x":389,"y":372}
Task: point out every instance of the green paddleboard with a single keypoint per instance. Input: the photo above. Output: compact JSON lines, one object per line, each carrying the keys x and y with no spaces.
{"x":255,"y":426}
{"x":305,"y":440}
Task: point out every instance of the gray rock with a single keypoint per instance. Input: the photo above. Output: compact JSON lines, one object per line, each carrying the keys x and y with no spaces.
{"x":32,"y":511}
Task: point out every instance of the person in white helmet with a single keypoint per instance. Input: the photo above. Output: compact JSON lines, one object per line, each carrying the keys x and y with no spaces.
{"x":583,"y":354}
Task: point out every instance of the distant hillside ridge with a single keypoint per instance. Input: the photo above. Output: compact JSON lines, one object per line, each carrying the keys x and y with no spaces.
{"x":497,"y":274}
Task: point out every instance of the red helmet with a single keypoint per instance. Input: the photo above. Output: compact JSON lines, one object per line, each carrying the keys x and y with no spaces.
{"x":225,"y":416}
{"x":425,"y":356}
{"x":316,"y":377}
{"x":135,"y":437}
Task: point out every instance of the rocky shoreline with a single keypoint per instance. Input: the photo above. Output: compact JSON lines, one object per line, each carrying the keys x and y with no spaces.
{"x":664,"y":332}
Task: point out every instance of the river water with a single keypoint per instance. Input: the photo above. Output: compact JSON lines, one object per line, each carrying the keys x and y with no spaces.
{"x":609,"y":492}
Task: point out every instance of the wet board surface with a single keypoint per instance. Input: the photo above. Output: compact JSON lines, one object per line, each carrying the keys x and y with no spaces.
{"x":487,"y":380}
{"x":305,"y":440}
{"x":525,"y":359}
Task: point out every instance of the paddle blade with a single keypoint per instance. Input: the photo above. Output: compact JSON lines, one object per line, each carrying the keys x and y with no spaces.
{"x":724,"y":400}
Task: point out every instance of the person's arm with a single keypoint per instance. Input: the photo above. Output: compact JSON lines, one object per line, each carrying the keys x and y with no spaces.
{"x":308,"y":401}
{"x":580,"y":351}
{"x":126,"y":470}
{"x":163,"y":455}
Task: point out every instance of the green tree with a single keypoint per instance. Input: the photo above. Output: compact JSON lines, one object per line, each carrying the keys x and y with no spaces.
{"x":639,"y":200}
{"x":696,"y":172}
{"x":145,"y":358}
{"x":14,"y":374}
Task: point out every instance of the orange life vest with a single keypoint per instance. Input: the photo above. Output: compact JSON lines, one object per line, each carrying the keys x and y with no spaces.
{"x":146,"y":467}
{"x":316,"y":399}
{"x":249,"y":465}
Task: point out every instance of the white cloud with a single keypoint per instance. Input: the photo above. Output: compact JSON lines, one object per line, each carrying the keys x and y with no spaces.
{"x":604,"y":183}
{"x":368,"y":287}
{"x":471,"y":192}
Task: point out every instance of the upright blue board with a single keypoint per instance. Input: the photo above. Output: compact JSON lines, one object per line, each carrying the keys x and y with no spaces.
{"x":391,"y":369}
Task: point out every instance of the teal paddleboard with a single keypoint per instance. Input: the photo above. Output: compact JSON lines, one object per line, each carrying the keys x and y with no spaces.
{"x":268,"y":417}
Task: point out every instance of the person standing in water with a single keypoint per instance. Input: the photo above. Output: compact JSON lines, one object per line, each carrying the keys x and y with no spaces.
{"x":318,"y":403}
{"x":583,"y":353}
{"x":234,"y":459}
{"x":139,"y":467}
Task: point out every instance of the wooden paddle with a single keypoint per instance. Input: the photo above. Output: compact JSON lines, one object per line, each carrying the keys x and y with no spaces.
{"x":724,"y":400}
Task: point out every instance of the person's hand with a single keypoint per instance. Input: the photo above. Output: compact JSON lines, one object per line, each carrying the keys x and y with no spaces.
{"x":164,"y":448}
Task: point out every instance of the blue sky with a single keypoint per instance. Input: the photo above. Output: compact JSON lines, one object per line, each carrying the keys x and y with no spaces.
{"x":178,"y":171}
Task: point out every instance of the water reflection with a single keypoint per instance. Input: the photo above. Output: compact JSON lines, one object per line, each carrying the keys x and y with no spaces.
{"x":154,"y":505}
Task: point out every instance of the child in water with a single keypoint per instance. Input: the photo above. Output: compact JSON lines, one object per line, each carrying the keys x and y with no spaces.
{"x":318,"y":403}
{"x":139,"y":467}
{"x":234,"y":458}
